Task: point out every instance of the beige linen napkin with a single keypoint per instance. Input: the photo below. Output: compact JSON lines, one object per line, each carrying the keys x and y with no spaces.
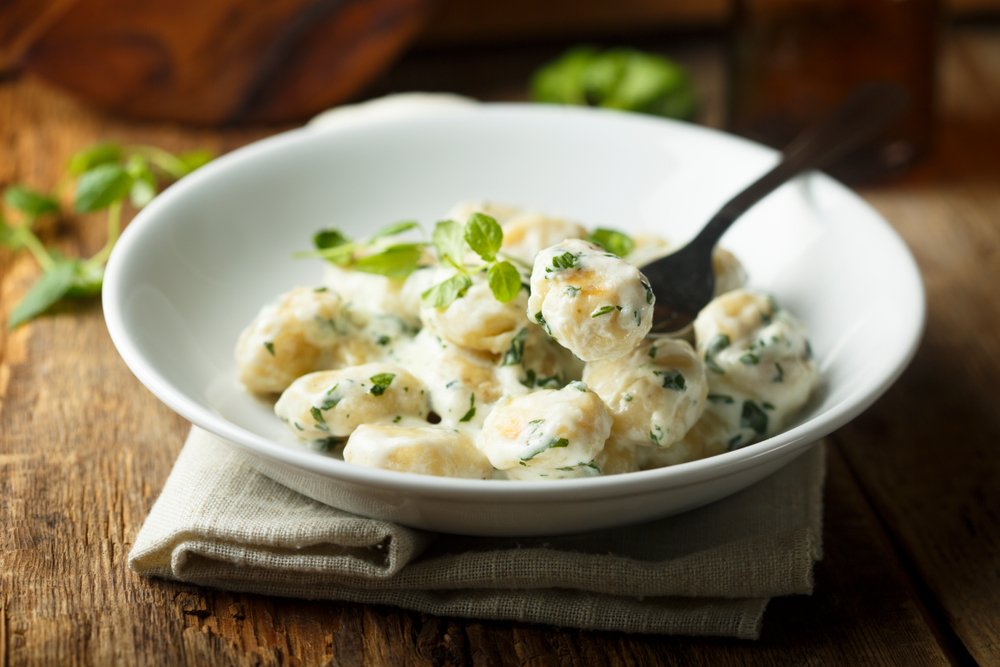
{"x":710,"y":571}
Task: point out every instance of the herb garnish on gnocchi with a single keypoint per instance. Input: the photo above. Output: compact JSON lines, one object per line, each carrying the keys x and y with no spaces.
{"x":514,"y":346}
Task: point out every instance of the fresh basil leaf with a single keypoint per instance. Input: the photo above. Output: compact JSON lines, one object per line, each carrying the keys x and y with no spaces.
{"x":396,"y":228}
{"x":336,"y":246}
{"x":30,"y":202}
{"x":484,"y":236}
{"x":613,"y":241}
{"x":9,"y":238}
{"x":449,"y":240}
{"x":194,"y":159}
{"x":87,"y":281}
{"x":442,"y":294}
{"x":143,"y":188}
{"x":504,"y":281}
{"x":394,"y":262}
{"x":101,"y":186}
{"x":93,"y":156}
{"x":329,"y":238}
{"x":381,"y":382}
{"x":51,"y":287}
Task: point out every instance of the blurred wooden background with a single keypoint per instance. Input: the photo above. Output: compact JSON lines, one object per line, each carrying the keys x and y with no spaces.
{"x":230,"y":61}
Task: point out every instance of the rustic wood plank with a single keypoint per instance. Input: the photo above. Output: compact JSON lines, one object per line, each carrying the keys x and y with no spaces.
{"x":927,"y":452}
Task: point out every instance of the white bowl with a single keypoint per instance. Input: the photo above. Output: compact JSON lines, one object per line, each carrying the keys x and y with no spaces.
{"x":196,"y":265}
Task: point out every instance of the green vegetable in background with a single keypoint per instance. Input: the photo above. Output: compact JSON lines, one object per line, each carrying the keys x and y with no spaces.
{"x":105,"y":175}
{"x":617,"y":79}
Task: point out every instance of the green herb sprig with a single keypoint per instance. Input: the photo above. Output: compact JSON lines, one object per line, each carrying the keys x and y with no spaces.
{"x":105,"y":174}
{"x":483,"y":235}
{"x":381,"y":255}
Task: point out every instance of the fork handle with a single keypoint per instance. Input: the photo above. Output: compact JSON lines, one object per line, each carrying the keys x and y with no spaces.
{"x":868,"y":111}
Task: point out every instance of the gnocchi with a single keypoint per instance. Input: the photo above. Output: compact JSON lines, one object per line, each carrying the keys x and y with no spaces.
{"x":556,"y":380}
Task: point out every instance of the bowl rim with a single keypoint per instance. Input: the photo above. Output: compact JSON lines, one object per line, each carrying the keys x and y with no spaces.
{"x":116,"y":289}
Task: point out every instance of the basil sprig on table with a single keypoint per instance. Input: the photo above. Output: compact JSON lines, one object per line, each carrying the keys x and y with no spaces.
{"x":105,"y":175}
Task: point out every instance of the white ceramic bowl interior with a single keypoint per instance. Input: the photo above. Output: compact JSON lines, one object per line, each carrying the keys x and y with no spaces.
{"x":196,"y":265}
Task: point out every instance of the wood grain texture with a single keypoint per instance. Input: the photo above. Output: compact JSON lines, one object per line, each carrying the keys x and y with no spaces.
{"x":223,"y":61}
{"x":928,"y":451}
{"x":84,"y":450}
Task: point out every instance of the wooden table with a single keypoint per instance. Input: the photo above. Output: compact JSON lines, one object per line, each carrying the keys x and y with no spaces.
{"x":912,"y":525}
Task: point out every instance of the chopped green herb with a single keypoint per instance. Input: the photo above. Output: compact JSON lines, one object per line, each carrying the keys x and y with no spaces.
{"x":721,"y":398}
{"x":567,"y":260}
{"x":614,"y":242}
{"x":603,"y":310}
{"x":318,"y":416}
{"x":380,"y":383}
{"x":396,"y":420}
{"x":750,"y":359}
{"x":718,"y":343}
{"x":673,"y":381}
{"x":628,"y":398}
{"x":649,"y":292}
{"x":754,"y":418}
{"x":383,"y":340}
{"x":330,"y":401}
{"x":571,"y":290}
{"x":472,"y":410}
{"x":780,"y":377}
{"x":516,"y":352}
{"x":270,"y":347}
{"x":652,"y":352}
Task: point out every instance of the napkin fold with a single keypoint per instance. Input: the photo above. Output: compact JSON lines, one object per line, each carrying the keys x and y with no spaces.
{"x":710,"y":571}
